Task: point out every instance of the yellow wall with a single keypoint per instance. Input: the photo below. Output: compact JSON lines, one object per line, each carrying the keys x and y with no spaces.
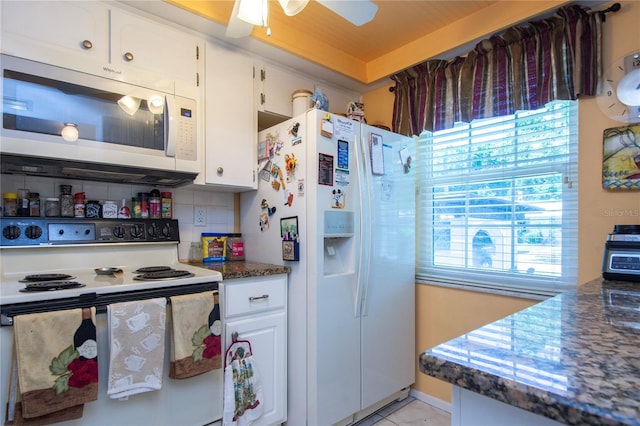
{"x":444,"y":313}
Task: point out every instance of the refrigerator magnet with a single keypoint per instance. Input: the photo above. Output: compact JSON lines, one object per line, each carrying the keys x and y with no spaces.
{"x":338,"y":199}
{"x":325,"y":169}
{"x":326,"y":127}
{"x":343,"y":154}
{"x":377,"y":156}
{"x":405,"y":158}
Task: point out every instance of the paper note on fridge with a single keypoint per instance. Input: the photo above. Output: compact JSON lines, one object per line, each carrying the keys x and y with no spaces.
{"x":344,"y":129}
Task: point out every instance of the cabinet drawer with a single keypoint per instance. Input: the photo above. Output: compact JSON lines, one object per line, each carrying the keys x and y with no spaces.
{"x":246,"y":297}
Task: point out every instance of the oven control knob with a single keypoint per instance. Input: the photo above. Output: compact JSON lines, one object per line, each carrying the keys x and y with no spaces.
{"x":166,"y":231}
{"x":118,"y":231}
{"x":11,"y":232}
{"x":153,"y":230}
{"x":137,"y":231}
{"x":33,"y":232}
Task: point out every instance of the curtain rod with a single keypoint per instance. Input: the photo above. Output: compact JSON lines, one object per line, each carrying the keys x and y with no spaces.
{"x":613,"y":8}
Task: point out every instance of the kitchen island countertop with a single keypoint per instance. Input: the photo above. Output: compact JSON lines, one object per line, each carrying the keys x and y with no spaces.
{"x":240,"y":269}
{"x":574,"y":358}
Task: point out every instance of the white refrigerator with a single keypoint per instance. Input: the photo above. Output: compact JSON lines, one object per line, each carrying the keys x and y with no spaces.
{"x":336,"y":203}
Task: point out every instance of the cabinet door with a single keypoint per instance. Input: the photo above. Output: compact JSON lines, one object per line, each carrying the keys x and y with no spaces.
{"x":231,"y":120}
{"x":275,"y":87}
{"x":267,"y":334}
{"x":153,"y":47}
{"x":63,"y":33}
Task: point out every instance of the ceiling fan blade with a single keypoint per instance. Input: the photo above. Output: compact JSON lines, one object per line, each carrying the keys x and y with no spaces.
{"x":237,"y":28}
{"x":293,"y":7}
{"x":358,"y":12}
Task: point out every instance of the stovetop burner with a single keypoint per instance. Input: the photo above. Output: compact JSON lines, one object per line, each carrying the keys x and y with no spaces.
{"x":45,"y":277}
{"x":152,"y":269}
{"x":50,"y":286}
{"x":165,"y":274}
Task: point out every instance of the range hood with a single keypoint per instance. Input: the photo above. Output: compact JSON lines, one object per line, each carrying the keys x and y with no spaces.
{"x":58,"y":168}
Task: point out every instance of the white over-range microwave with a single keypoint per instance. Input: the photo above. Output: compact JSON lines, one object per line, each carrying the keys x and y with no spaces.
{"x":63,"y":123}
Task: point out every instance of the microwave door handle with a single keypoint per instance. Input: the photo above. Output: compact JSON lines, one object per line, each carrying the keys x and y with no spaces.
{"x":170,"y":126}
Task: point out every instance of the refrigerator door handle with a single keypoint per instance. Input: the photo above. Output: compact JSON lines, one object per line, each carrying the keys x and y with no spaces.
{"x":365,"y":198}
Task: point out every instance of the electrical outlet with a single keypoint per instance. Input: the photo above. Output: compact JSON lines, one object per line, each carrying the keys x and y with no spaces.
{"x":200,"y":216}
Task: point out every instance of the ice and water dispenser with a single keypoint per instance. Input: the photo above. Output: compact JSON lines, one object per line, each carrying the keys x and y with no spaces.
{"x":339,"y":242}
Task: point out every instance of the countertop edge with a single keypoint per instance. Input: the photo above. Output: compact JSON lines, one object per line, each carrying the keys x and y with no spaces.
{"x":231,"y":270}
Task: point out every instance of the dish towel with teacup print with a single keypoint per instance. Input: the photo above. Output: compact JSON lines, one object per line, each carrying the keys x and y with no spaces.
{"x":196,"y":344}
{"x":55,"y":366}
{"x":136,"y":344}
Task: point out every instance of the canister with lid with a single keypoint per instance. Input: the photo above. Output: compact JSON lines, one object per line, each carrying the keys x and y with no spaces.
{"x":144,"y":204}
{"x":10,"y":203}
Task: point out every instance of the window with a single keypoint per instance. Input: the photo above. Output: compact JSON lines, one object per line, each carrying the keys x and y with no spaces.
{"x":497,"y":204}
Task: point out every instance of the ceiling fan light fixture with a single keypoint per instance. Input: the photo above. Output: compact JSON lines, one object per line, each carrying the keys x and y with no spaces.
{"x":254,"y":11}
{"x":293,"y":7}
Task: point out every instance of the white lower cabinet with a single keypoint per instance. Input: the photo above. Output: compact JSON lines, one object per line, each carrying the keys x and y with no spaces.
{"x":256,"y":309}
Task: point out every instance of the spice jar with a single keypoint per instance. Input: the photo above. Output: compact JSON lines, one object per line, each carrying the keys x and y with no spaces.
{"x":34,"y":204}
{"x":109,"y":210}
{"x":23,"y":202}
{"x":10,"y":203}
{"x":154,"y":204}
{"x":144,"y":204}
{"x":135,"y":207}
{"x":52,"y":207}
{"x":92,"y":209}
{"x":66,"y":201}
{"x":78,"y":204}
{"x":167,"y":205}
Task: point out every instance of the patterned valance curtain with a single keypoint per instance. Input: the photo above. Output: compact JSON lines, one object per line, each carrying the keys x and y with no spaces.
{"x":521,"y":69}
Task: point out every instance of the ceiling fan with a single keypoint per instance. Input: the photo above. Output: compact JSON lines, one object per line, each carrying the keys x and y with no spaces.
{"x":247,"y":13}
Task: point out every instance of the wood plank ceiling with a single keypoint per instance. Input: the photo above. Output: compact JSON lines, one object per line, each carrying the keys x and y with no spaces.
{"x":319,"y":35}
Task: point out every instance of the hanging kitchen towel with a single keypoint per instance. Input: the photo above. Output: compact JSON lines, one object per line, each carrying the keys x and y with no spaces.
{"x":136,"y":343}
{"x":56,"y":366}
{"x":242,"y":403}
{"x":196,"y":345}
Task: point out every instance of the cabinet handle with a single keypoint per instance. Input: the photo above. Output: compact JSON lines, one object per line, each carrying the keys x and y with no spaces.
{"x":128,"y":56}
{"x":220,"y":170}
{"x":86,"y":44}
{"x":253,"y":299}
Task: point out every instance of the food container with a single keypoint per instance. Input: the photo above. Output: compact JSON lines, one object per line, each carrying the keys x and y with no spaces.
{"x":235,"y":247}
{"x":34,"y":204}
{"x":167,"y":205}
{"x":23,"y":202}
{"x":155,"y":204}
{"x":10,"y":203}
{"x":78,"y":206}
{"x":67,"y":202}
{"x":52,"y":207}
{"x":109,"y":210}
{"x":301,"y":100}
{"x":214,"y":247}
{"x":93,"y":209}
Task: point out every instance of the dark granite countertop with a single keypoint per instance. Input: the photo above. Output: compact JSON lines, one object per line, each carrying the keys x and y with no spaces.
{"x":241,"y":269}
{"x":574,"y":358}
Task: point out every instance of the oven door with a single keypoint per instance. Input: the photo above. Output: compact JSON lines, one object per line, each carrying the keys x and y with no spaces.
{"x":195,"y":401}
{"x":65,"y":114}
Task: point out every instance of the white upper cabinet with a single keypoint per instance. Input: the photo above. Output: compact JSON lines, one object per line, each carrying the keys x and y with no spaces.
{"x":156,"y":48}
{"x":231,"y":130}
{"x":97,"y":38}
{"x":56,"y":32}
{"x":275,"y":86}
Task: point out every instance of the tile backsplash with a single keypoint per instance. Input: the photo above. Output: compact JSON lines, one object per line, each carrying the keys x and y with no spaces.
{"x":219,"y":205}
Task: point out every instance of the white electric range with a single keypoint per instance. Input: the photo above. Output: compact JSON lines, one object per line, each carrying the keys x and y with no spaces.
{"x":50,"y":264}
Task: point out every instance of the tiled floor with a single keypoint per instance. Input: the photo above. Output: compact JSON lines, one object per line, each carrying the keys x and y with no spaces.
{"x":408,"y":412}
